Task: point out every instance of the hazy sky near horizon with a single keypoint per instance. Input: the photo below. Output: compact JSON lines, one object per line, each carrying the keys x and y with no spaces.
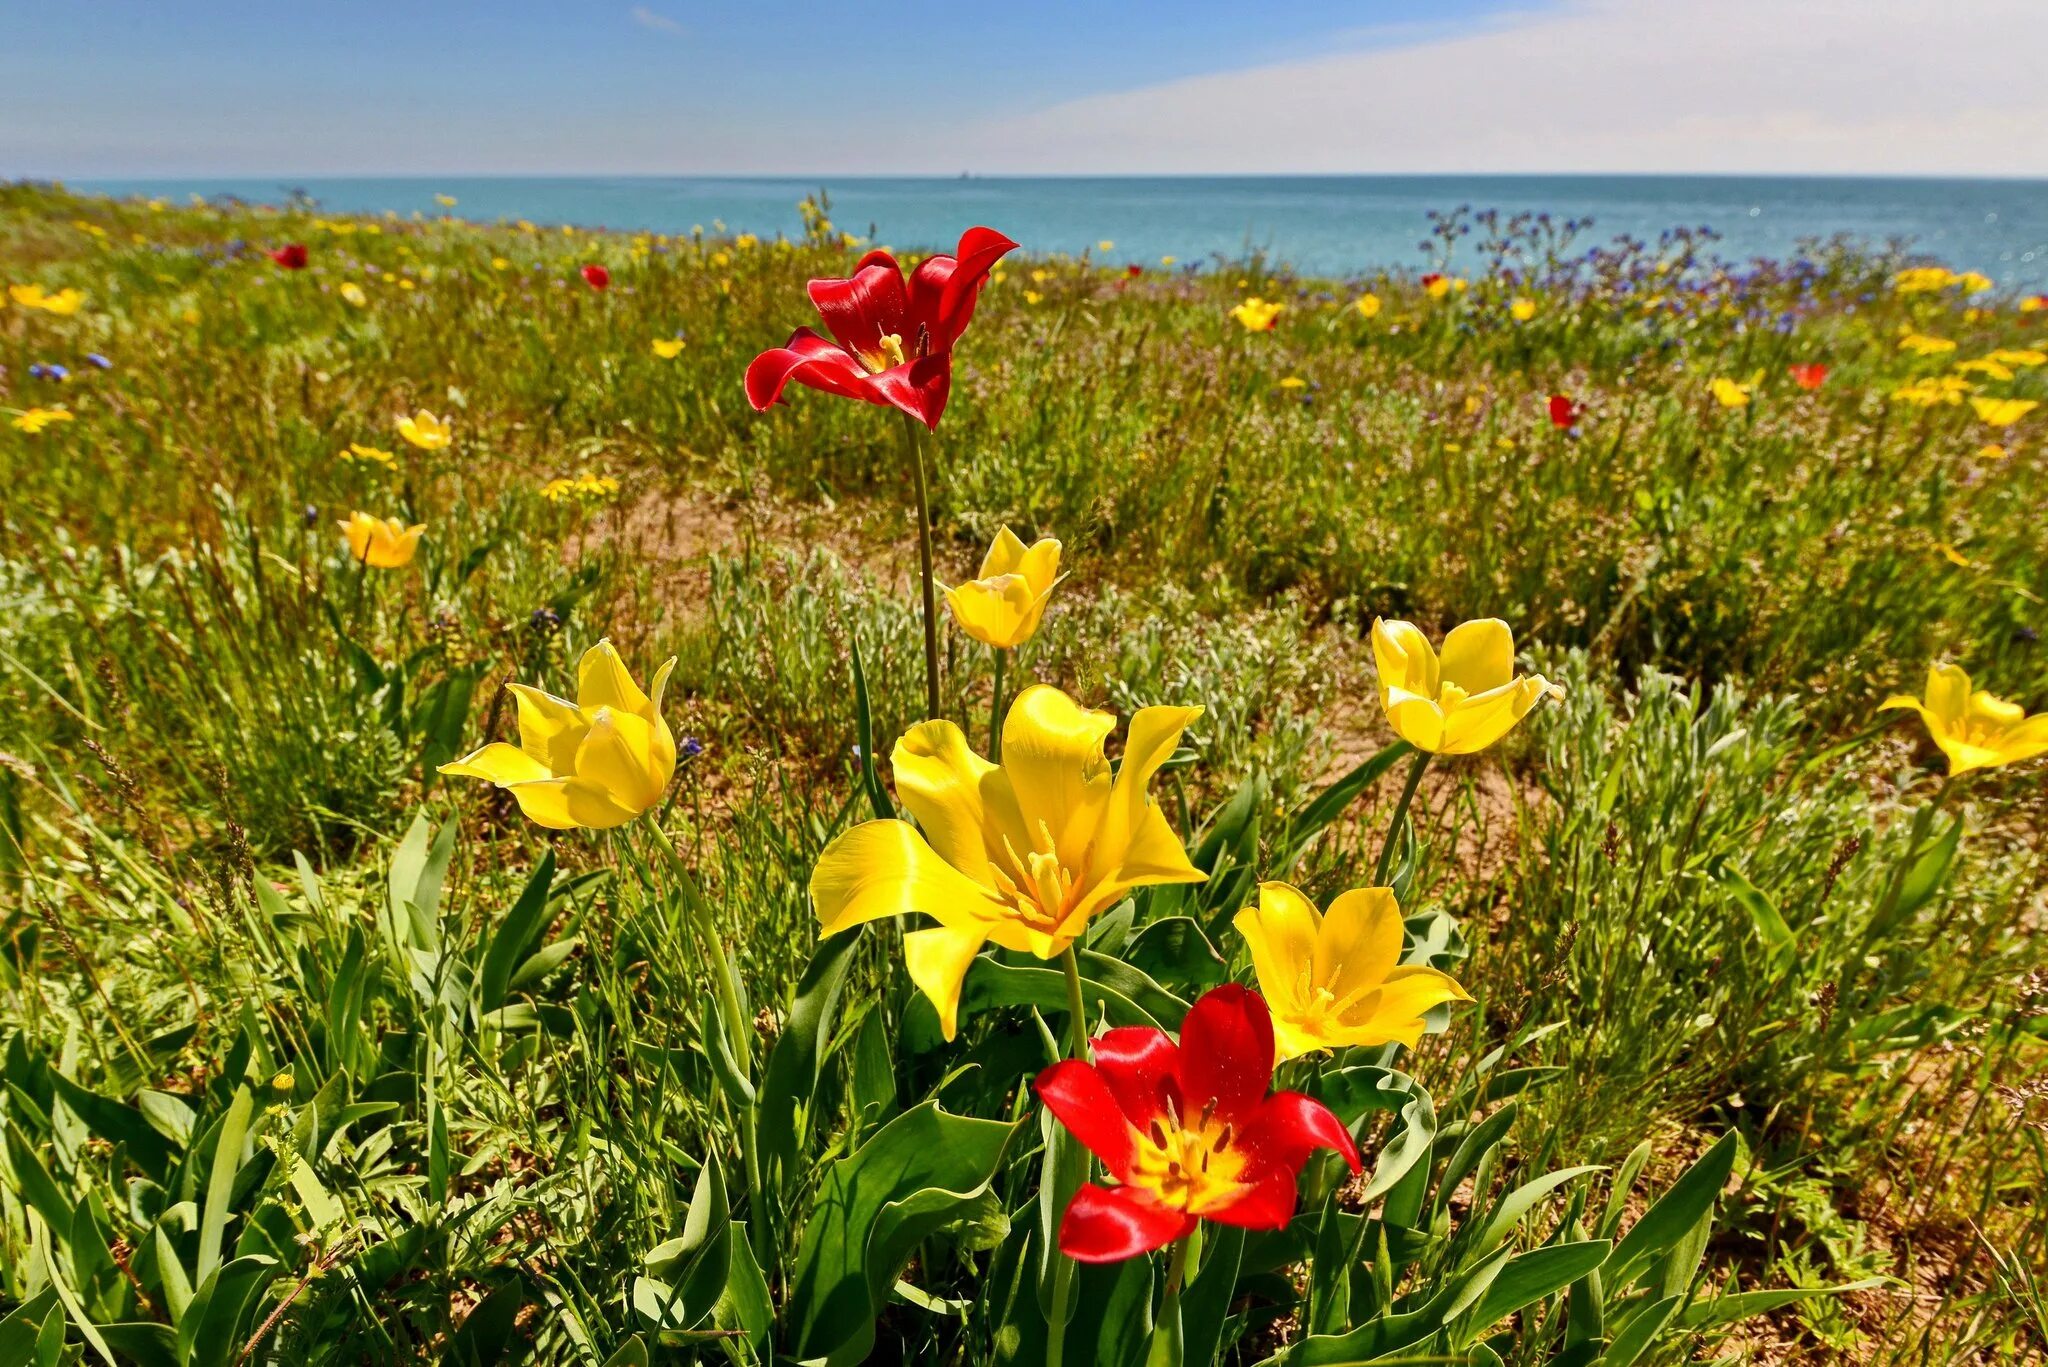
{"x":126,"y":88}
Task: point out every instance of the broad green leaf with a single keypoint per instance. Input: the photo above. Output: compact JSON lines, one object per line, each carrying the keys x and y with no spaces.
{"x":791,"y":1077}
{"x":220,"y":1182}
{"x":1668,"y":1222}
{"x":513,"y":940}
{"x":1530,"y":1277}
{"x":922,"y":1171}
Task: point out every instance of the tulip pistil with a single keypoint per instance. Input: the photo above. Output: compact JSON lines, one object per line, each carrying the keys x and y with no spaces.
{"x":1191,"y":1168}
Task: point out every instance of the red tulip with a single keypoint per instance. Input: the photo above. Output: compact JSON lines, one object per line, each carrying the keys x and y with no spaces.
{"x":1809,"y":376}
{"x":1431,"y":279}
{"x":596,"y":276}
{"x":891,"y":344}
{"x":1564,"y":413}
{"x":1187,"y":1130}
{"x":291,"y":256}
{"x":1134,"y":270}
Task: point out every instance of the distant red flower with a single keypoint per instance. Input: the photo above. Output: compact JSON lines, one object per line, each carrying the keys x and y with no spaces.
{"x":1187,"y":1130}
{"x":1134,"y":270}
{"x":291,"y":256}
{"x":596,"y":276}
{"x":891,"y":343}
{"x":1431,"y":278}
{"x":1564,"y":413}
{"x":1811,"y":375}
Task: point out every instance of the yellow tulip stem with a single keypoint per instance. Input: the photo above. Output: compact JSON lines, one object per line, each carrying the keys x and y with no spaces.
{"x":1379,"y":873}
{"x":915,"y":442}
{"x":1075,"y":1157}
{"x":995,"y":712}
{"x":1923,"y":822}
{"x":1077,"y":1011}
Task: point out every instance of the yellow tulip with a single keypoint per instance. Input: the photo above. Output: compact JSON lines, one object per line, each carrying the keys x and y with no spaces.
{"x":1973,"y":728}
{"x":373,"y":454}
{"x":1973,"y":282}
{"x":597,"y":762}
{"x":352,"y":293}
{"x":1105,"y":245}
{"x":1462,"y":703}
{"x":1257,"y":315}
{"x":2017,"y":356}
{"x":668,"y":348}
{"x":1922,"y":279}
{"x":426,"y":431}
{"x":2002,"y":412}
{"x":445,"y":201}
{"x":1988,"y":366}
{"x":1002,"y":607}
{"x":1020,"y":854}
{"x":1368,"y":305}
{"x":382,"y":543}
{"x":1522,"y":310}
{"x":1730,"y":393}
{"x":1336,"y":981}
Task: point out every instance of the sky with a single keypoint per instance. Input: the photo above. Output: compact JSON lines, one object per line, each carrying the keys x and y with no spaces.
{"x":128,"y":88}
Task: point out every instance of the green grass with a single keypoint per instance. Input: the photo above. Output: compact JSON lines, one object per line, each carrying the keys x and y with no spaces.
{"x":414,"y":1080}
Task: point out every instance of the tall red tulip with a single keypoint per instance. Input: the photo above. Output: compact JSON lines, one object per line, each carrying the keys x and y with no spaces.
{"x":1187,"y":1130}
{"x":291,"y":256}
{"x":1812,"y":375}
{"x":1564,"y":413}
{"x":596,"y":276}
{"x":892,"y":342}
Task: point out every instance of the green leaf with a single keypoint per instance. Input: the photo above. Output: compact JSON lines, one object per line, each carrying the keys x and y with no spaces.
{"x":1389,"y":1333}
{"x":218,"y":1322}
{"x":745,"y":1304}
{"x":1742,"y":1305}
{"x":1634,"y":1338}
{"x":791,"y":1077}
{"x":864,"y":734}
{"x":1352,"y":1092}
{"x":921,"y":1172}
{"x":1926,"y":874}
{"x":1530,"y":1277}
{"x":515,"y":936}
{"x":1764,"y":916}
{"x":1502,"y":1221}
{"x":1668,"y":1222}
{"x":992,"y":983}
{"x":220,"y":1181}
{"x":1325,"y":807}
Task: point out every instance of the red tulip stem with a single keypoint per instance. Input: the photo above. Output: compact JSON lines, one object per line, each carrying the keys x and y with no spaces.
{"x":915,"y":441}
{"x":1379,"y":873}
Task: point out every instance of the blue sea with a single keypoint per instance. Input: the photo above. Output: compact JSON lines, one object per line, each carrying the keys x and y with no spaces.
{"x":1319,"y":225}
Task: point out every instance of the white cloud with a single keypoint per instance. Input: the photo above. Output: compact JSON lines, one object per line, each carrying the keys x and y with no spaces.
{"x":660,"y":23}
{"x":1848,"y":86}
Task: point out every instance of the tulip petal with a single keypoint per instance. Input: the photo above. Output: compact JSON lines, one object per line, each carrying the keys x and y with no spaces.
{"x":1290,"y":1126}
{"x":1052,"y":754}
{"x":1040,"y":565}
{"x":943,"y":289}
{"x":862,"y":310}
{"x":498,"y":763}
{"x":1079,"y":1099}
{"x":1281,"y":933}
{"x":1478,"y":656}
{"x":1417,"y":720}
{"x":550,"y":728}
{"x":616,"y":759}
{"x":937,"y":961}
{"x":1414,"y":989}
{"x":546,"y":803}
{"x":589,"y":804}
{"x":1266,"y":1200}
{"x":1136,"y":837}
{"x":1141,"y":1067}
{"x":997,"y":611}
{"x":806,"y":359}
{"x":1109,"y":1226}
{"x":885,"y":868}
{"x":919,"y":389}
{"x":1361,"y":940}
{"x":1226,"y":1050}
{"x":1948,"y":692}
{"x":1005,"y":555}
{"x":1405,"y":659}
{"x":602,"y":680}
{"x":942,"y":782}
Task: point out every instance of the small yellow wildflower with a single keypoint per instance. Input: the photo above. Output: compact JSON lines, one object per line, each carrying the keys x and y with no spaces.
{"x":668,"y":348}
{"x":1368,"y":305}
{"x":1522,"y":310}
{"x":36,"y":419}
{"x":374,"y":455}
{"x":2002,"y":412}
{"x":1257,"y":315}
{"x":1730,"y":393}
{"x":1920,"y":344}
{"x":352,"y":293}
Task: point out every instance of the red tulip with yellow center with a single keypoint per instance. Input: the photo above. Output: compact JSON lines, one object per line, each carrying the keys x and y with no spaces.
{"x":1188,"y":1131}
{"x":892,"y":341}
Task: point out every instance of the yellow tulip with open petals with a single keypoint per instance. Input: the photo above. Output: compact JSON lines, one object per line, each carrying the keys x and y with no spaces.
{"x":382,"y":543}
{"x":1973,"y":728}
{"x":1019,"y":854}
{"x":1335,"y":980}
{"x":426,"y":431}
{"x":597,"y":762}
{"x":1463,"y":702}
{"x":1002,"y":608}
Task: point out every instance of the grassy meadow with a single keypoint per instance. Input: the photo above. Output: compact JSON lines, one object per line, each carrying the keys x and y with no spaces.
{"x":314,"y":1054}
